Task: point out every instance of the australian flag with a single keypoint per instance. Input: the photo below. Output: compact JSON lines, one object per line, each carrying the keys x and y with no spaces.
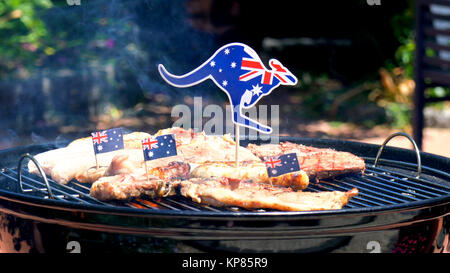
{"x":278,"y":165}
{"x":107,"y":141}
{"x":239,"y":72}
{"x":159,"y":147}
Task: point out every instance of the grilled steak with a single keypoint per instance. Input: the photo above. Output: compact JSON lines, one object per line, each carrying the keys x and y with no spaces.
{"x":161,"y":182}
{"x":250,"y":170}
{"x":316,"y":162}
{"x":173,"y":171}
{"x":123,"y":187}
{"x":251,"y":195}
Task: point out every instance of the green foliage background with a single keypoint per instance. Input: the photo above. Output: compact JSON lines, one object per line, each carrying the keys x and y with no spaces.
{"x":25,"y":40}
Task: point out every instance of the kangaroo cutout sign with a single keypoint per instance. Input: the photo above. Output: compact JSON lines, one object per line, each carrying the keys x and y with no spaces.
{"x":239,"y":72}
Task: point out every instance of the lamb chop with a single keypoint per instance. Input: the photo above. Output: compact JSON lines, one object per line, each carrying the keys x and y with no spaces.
{"x":318,"y":163}
{"x":127,"y":186}
{"x":160,"y":181}
{"x":251,"y":195}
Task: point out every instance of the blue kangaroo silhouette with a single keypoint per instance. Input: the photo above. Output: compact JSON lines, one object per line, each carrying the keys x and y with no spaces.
{"x":239,"y":72}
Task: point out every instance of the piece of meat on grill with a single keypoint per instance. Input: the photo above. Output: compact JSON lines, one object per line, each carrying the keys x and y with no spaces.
{"x":77,"y":160}
{"x":251,"y":195}
{"x":175,"y":170}
{"x":198,"y":147}
{"x":193,"y":148}
{"x":127,"y":186}
{"x":250,"y":170}
{"x":161,"y":181}
{"x":182,"y":136}
{"x":124,"y":163}
{"x":63,"y":164}
{"x":318,"y":163}
{"x":120,"y":164}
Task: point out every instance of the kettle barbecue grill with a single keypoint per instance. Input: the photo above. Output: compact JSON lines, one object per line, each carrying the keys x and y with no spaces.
{"x":403,"y":206}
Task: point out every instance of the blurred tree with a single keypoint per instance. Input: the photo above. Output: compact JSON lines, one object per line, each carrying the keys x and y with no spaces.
{"x":23,"y":35}
{"x":397,"y":84}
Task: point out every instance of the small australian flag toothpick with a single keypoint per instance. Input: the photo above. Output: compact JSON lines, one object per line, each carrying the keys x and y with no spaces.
{"x":159,"y":147}
{"x":108,"y":140}
{"x":279,"y":165}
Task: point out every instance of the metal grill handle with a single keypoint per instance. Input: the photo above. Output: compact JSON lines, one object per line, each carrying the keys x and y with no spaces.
{"x":41,"y":172}
{"x":419,"y":163}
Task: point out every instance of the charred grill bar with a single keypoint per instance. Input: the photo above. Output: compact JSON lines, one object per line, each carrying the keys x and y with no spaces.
{"x":395,"y":195}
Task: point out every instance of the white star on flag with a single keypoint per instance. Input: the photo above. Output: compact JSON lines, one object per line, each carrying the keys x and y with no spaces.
{"x":233,"y":64}
{"x":227,"y":51}
{"x":212,"y":63}
{"x":256,"y":89}
{"x":224,"y":83}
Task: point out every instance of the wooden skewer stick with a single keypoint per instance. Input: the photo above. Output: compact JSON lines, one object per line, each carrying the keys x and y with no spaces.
{"x":146,"y":170}
{"x":236,"y":136}
{"x":96,"y":161}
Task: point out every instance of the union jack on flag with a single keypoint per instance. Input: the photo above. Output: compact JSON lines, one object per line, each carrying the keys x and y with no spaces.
{"x":107,"y":140}
{"x":278,"y":165}
{"x":256,"y":68}
{"x":159,"y":147}
{"x":149,"y":143}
